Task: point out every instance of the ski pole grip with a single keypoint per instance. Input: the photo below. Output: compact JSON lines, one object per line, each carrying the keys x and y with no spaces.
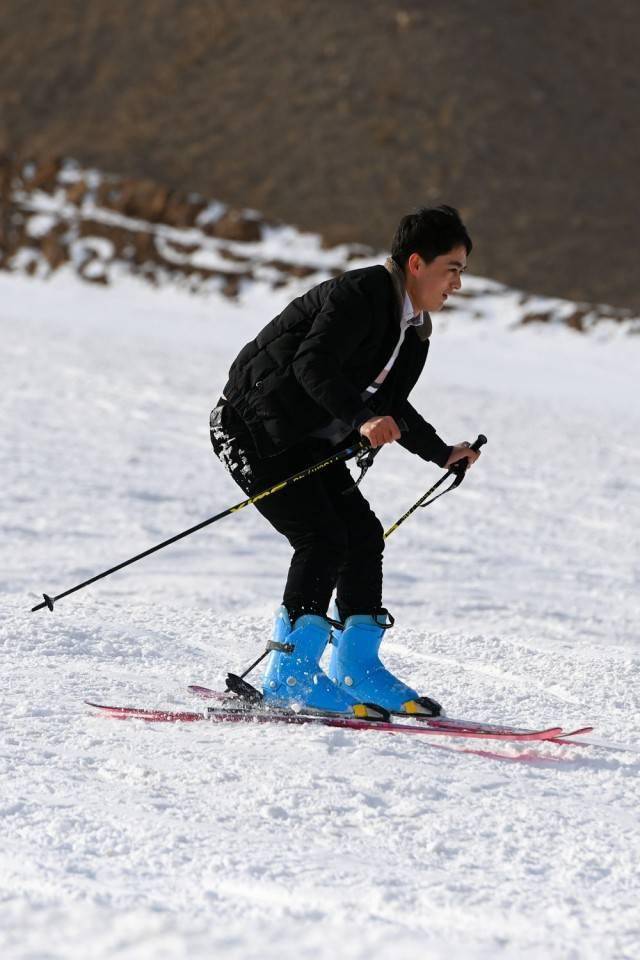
{"x":460,"y":466}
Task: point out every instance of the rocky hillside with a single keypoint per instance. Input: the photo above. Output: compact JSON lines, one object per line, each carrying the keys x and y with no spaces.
{"x":339,"y":117}
{"x":57,"y":215}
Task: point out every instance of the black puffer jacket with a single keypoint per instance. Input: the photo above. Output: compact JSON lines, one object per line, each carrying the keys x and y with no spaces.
{"x":312,"y":363}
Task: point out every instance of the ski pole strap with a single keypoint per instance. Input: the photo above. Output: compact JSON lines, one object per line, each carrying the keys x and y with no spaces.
{"x":365,"y":459}
{"x":340,"y":455}
{"x":458,"y":473}
{"x":459,"y":469}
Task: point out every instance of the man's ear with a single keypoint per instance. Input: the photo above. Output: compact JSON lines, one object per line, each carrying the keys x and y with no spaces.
{"x":412,"y":263}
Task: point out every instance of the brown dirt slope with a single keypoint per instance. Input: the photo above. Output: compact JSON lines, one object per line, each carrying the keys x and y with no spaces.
{"x":340,"y":115}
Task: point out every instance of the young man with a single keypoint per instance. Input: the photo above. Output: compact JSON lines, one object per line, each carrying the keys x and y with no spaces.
{"x":339,"y":361}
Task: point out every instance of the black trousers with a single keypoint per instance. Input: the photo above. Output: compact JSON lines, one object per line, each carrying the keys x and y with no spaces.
{"x":336,"y":537}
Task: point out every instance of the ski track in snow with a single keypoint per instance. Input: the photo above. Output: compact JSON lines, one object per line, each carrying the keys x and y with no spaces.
{"x":516,"y":599}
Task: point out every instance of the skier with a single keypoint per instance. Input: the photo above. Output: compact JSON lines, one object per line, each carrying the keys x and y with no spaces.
{"x":339,"y":361}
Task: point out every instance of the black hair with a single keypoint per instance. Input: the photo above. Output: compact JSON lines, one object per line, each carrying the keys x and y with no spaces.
{"x":430,"y":231}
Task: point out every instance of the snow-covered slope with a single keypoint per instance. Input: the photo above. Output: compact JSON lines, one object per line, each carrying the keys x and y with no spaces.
{"x":516,"y":598}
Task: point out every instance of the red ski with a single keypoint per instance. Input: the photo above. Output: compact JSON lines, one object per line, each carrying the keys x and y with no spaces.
{"x":249,"y":715}
{"x":449,"y":724}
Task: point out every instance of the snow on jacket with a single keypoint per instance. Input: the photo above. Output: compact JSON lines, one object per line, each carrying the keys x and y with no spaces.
{"x":312,"y":363}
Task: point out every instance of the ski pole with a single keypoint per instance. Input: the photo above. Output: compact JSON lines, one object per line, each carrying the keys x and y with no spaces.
{"x":361,"y":447}
{"x":455,"y":471}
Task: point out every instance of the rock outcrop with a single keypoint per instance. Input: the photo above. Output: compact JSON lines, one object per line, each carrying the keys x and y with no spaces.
{"x":54,"y":214}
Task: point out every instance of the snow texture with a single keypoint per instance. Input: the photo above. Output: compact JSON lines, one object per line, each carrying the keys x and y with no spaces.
{"x":516,"y":599}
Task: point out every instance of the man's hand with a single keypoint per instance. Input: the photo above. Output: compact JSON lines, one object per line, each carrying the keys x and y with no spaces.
{"x":380,"y":430}
{"x":460,"y":451}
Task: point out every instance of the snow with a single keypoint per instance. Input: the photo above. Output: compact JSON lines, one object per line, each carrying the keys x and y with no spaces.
{"x":516,"y":599}
{"x":40,"y":224}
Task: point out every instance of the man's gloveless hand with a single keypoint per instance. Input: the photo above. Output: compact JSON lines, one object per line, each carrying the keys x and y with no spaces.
{"x":460,"y":451}
{"x":380,"y":430}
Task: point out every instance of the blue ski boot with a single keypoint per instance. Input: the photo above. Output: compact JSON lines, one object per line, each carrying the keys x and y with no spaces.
{"x":294,"y":678}
{"x":356,"y":668}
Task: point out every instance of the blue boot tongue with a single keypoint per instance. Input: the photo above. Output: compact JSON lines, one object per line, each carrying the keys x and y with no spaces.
{"x":310,"y":636}
{"x":361,"y":639}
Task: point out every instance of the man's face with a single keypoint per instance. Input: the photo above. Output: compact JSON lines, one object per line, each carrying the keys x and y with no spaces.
{"x":430,"y":284}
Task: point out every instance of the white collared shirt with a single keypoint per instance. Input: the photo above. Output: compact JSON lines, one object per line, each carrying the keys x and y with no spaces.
{"x":409,"y":319}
